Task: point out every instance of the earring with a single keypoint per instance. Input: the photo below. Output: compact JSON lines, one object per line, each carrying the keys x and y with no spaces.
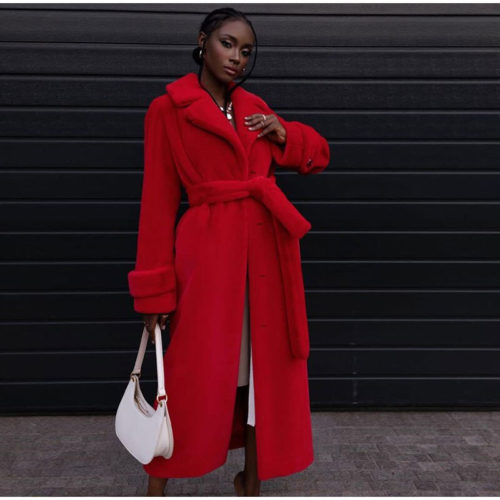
{"x":200,"y":52}
{"x":244,"y":69}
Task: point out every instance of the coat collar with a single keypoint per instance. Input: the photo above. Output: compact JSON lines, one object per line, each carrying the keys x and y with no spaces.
{"x":202,"y":111}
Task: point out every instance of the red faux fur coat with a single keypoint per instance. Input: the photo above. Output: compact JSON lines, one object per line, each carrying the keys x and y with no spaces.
{"x":238,"y":221}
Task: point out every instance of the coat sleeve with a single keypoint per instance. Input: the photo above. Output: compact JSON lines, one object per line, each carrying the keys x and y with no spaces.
{"x":305,"y":149}
{"x":152,"y":283}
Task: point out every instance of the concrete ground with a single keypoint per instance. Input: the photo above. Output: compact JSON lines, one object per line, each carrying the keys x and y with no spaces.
{"x":357,"y":453}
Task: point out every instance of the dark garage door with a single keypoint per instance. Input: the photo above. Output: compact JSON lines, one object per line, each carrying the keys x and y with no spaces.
{"x":402,"y":268}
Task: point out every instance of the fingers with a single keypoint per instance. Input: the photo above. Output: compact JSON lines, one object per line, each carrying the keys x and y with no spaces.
{"x":256,"y":121}
{"x":163,"y":321}
{"x":268,"y":123}
{"x":267,"y":129}
{"x":150,"y":321}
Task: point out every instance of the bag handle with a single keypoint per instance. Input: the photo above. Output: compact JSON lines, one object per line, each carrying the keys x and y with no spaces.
{"x":159,"y":359}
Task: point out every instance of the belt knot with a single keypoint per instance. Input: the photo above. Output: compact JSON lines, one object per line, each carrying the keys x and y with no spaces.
{"x":263,"y":189}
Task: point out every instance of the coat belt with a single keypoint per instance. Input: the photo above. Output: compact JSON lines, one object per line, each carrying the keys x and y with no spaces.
{"x":289,"y":226}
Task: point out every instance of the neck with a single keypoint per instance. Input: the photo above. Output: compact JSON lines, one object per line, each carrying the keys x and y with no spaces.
{"x":216,"y":88}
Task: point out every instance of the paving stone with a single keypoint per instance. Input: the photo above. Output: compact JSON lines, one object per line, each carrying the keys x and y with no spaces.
{"x":425,"y":485}
{"x":357,"y":453}
{"x":387,"y":464}
{"x":443,"y":476}
{"x":429,"y":466}
{"x":396,"y":488}
{"x":399,"y":475}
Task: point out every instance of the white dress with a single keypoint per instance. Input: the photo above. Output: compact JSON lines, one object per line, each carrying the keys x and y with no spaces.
{"x":245,"y":374}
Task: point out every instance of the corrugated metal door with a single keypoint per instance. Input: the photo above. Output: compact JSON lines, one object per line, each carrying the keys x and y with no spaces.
{"x":401,"y":267}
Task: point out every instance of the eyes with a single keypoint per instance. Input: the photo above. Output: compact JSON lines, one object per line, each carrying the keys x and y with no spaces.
{"x":246,"y":52}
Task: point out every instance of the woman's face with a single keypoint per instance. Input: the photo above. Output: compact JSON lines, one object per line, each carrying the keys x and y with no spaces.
{"x":229,"y":46}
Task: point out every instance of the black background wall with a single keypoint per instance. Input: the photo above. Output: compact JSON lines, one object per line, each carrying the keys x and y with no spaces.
{"x":402,"y":267}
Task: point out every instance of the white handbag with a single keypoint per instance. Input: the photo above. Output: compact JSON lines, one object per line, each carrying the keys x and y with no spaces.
{"x":144,"y":431}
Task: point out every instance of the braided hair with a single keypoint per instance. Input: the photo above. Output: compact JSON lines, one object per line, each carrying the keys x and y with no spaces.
{"x":212,"y":21}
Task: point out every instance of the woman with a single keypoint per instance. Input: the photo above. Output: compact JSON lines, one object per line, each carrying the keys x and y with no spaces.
{"x":229,"y":273}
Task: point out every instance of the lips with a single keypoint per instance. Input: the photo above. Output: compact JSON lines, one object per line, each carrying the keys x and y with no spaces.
{"x":230,"y":71}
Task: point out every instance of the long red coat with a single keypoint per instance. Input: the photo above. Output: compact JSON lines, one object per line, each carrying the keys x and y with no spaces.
{"x":238,"y":217}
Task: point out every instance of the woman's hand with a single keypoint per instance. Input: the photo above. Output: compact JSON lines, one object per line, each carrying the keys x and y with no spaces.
{"x":150,"y":321}
{"x":270,"y":125}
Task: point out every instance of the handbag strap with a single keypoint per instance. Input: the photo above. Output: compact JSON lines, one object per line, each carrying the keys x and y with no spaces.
{"x":159,"y":358}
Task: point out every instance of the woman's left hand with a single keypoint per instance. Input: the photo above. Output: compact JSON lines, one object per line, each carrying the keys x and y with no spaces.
{"x":270,"y":125}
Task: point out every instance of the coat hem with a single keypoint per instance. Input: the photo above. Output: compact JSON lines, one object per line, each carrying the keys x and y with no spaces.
{"x":289,"y":472}
{"x":262,"y":477}
{"x":184,"y":475}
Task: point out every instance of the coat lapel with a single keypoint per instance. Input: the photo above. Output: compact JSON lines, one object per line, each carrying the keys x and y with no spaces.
{"x":245,"y":104}
{"x":202,"y":111}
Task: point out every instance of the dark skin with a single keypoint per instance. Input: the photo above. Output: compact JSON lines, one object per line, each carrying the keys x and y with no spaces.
{"x":230,"y":45}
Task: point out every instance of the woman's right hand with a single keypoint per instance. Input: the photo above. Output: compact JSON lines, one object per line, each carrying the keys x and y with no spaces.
{"x":150,"y":321}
